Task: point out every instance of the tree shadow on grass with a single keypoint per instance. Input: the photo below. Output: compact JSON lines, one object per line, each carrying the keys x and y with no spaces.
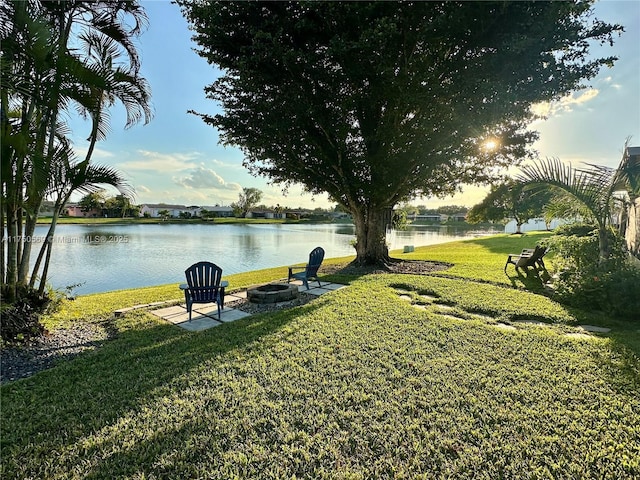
{"x":55,"y":409}
{"x":622,"y":365}
{"x":532,"y":280}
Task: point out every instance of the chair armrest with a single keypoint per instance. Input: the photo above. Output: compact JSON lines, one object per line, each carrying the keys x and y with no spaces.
{"x":184,"y":286}
{"x":292,"y":267}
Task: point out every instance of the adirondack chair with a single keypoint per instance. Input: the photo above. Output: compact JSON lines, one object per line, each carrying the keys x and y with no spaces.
{"x":204,"y":285}
{"x":310,"y":270}
{"x":529,"y":257}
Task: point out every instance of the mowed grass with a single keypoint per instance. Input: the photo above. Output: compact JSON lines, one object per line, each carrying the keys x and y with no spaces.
{"x":375,"y":380}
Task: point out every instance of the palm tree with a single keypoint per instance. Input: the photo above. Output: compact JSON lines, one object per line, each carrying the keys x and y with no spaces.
{"x":72,"y":177}
{"x":58,"y":54}
{"x":589,"y":192}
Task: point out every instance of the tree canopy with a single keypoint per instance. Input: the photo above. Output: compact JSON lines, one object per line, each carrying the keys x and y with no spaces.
{"x":248,"y":198}
{"x":511,"y":199}
{"x":376,"y":102}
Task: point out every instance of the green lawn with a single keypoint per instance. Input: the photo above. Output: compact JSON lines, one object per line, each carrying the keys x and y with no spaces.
{"x":376,"y":380}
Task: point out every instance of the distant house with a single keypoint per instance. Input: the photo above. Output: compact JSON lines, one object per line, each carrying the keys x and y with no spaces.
{"x":458,"y":217}
{"x":340,"y":215}
{"x":46,"y":209}
{"x":153,"y":210}
{"x":75,"y":210}
{"x":297,"y":214}
{"x":435,"y":217}
{"x":218,"y":211}
{"x":265,"y":213}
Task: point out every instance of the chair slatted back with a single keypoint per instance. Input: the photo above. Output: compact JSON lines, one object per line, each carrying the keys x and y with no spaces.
{"x":532,"y":257}
{"x":315,"y":260}
{"x":204,"y":281}
{"x":538,"y":253}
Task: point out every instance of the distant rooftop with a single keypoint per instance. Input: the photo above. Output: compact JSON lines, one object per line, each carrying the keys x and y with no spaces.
{"x":633,"y":151}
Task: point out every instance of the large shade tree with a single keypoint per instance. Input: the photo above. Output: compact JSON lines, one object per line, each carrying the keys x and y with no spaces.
{"x":377,"y":102}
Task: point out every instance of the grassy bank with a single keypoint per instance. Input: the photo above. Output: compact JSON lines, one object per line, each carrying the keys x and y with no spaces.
{"x":376,"y":380}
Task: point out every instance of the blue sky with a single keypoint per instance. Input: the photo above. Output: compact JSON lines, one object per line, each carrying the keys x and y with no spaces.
{"x":176,"y":158}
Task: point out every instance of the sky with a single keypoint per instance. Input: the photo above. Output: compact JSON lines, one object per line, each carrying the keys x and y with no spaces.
{"x":176,"y":158}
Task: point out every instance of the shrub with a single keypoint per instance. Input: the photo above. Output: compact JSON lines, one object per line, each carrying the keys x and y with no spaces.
{"x":623,"y":292}
{"x":578,"y":229}
{"x":583,"y":282}
{"x":20,"y":321}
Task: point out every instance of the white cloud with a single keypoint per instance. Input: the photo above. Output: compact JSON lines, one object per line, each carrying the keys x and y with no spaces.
{"x":202,"y":177}
{"x":565,"y":104}
{"x":161,"y":162}
{"x":97,"y":154}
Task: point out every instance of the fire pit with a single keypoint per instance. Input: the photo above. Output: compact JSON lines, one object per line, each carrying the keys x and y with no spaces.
{"x":272,"y":293}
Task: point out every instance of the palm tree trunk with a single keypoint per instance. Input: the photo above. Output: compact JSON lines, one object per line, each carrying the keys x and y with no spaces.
{"x":603,"y":242}
{"x":46,"y":246}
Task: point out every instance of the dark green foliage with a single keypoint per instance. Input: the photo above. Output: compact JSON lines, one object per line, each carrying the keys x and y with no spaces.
{"x":612,"y":286}
{"x":376,"y":102}
{"x":510,"y":199}
{"x":576,"y":228}
{"x":21,"y":320}
{"x":623,"y":293}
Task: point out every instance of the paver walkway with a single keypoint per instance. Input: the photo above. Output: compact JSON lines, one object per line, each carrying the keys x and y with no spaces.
{"x":206,"y":315}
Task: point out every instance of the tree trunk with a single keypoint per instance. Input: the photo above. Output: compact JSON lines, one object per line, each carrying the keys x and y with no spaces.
{"x":632,"y":231}
{"x":371,"y":227}
{"x":46,"y":247}
{"x":11,"y":278}
{"x":603,"y":240}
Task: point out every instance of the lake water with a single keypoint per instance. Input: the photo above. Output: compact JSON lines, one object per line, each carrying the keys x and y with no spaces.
{"x":113,"y":257}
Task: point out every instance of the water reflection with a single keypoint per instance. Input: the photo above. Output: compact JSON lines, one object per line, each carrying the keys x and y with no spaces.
{"x":129,"y":256}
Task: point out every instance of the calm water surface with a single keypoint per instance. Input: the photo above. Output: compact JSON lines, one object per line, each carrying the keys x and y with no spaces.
{"x":113,"y":257}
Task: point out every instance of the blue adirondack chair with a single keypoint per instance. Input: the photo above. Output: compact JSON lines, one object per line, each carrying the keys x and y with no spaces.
{"x":310,"y":270}
{"x":204,"y":285}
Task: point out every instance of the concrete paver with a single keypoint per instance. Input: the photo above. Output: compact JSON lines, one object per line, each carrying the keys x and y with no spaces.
{"x":206,"y":316}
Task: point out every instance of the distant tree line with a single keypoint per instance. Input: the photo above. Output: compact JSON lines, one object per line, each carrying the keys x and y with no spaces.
{"x":108,"y":206}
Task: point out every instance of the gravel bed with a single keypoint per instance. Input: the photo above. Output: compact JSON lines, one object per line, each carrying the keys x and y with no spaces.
{"x":255,"y":308}
{"x":44,"y":352}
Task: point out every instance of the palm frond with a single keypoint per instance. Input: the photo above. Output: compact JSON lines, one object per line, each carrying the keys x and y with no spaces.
{"x":88,"y":178}
{"x":591,"y":186}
